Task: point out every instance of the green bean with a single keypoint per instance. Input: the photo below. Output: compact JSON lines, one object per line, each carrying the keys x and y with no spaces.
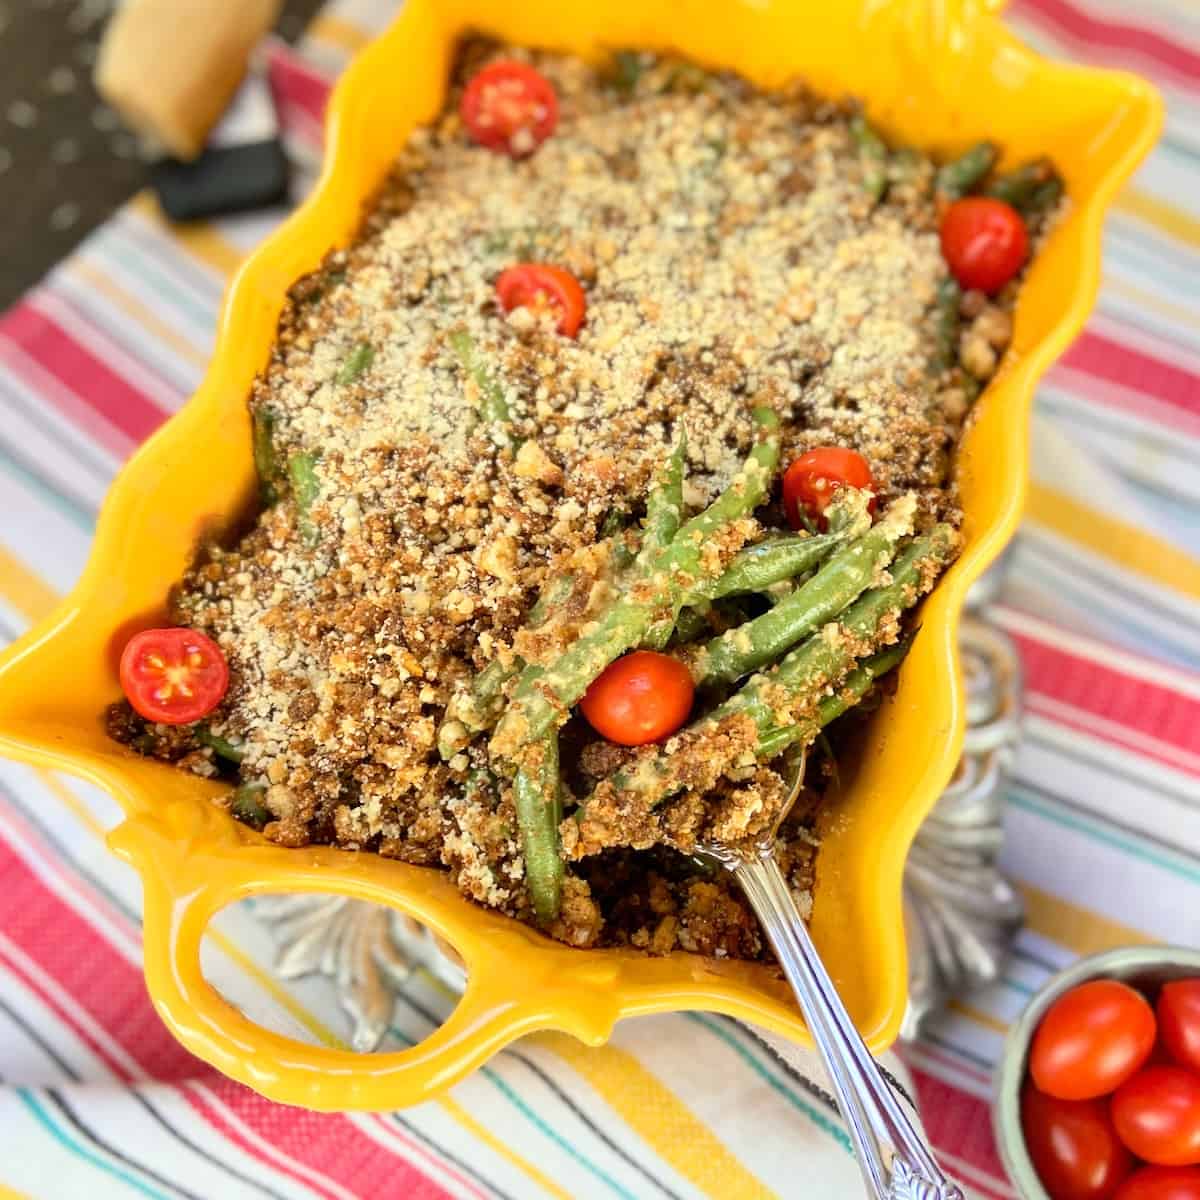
{"x":692,"y":622}
{"x":628,"y":68}
{"x":537,"y":797}
{"x":664,"y":511}
{"x":957,"y":177}
{"x":614,"y":521}
{"x":1018,"y":186}
{"x":800,"y":680}
{"x":658,"y":635}
{"x":777,"y":593}
{"x":624,"y":541}
{"x":359,"y":359}
{"x":471,"y":711}
{"x":741,"y":498}
{"x":266,"y":462}
{"x":232,"y":751}
{"x":688,"y":79}
{"x":946,"y":326}
{"x":453,"y":734}
{"x":760,"y":567}
{"x":247,"y":806}
{"x":556,"y":590}
{"x":872,"y":156}
{"x":479,"y":709}
{"x":904,"y":166}
{"x":480,"y":780}
{"x":660,"y":581}
{"x":491,"y":680}
{"x":144,"y":743}
{"x":302,"y":471}
{"x":705,"y":617}
{"x":664,"y":505}
{"x":1044,"y":199}
{"x":757,"y":567}
{"x":912,"y":575}
{"x":850,"y":691}
{"x":493,"y":406}
{"x":847,"y":574}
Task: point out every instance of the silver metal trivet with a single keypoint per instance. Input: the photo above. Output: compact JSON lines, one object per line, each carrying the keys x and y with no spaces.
{"x":369,"y":952}
{"x":960,"y":911}
{"x":961,"y":914}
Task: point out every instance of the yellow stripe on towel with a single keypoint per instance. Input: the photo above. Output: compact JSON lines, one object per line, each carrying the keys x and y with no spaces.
{"x":658,"y":1117}
{"x":338,"y":32}
{"x":1073,"y":927}
{"x":1129,"y":546}
{"x":198,"y":238}
{"x":141,"y":313}
{"x":1174,"y":222}
{"x":23,"y":588}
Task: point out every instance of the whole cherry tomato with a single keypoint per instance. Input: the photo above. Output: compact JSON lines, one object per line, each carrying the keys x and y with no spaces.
{"x":539,"y":286}
{"x":1073,"y":1145}
{"x":1179,"y":1021}
{"x":812,"y":479}
{"x":1157,"y":1115}
{"x":509,"y":106}
{"x":643,"y":697}
{"x":984,"y":242}
{"x":174,"y":676}
{"x":1091,"y":1040}
{"x":1161,"y":1183}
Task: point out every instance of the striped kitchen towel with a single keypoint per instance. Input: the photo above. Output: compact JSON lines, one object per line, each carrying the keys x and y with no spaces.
{"x":1102,"y":595}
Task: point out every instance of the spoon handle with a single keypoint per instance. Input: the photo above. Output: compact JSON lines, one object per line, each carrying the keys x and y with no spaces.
{"x":872,"y":1114}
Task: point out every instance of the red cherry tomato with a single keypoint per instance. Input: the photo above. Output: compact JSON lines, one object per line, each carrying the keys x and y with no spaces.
{"x":175,"y":676}
{"x":643,"y":697}
{"x":1157,"y":1115}
{"x":1091,"y":1040}
{"x":511,"y":107}
{"x":1073,"y":1145}
{"x":984,"y":242}
{"x":1179,"y":1021}
{"x":811,"y":481}
{"x":539,"y":286}
{"x":1161,"y":1183}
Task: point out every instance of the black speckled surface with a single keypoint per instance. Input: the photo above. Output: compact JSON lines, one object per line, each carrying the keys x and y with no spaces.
{"x":65,"y":161}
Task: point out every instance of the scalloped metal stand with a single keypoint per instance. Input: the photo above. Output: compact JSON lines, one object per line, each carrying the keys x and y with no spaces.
{"x":961,"y":914}
{"x":960,"y":911}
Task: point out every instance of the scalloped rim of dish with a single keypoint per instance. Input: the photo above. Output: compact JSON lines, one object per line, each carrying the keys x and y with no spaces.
{"x":157,"y":838}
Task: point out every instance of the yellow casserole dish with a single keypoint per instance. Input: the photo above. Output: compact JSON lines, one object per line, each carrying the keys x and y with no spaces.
{"x":939,"y":73}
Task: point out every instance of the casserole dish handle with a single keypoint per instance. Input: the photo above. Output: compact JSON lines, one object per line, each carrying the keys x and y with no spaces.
{"x":187,"y":882}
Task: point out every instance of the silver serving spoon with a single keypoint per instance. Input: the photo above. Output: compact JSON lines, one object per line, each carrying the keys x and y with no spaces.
{"x":873,"y":1116}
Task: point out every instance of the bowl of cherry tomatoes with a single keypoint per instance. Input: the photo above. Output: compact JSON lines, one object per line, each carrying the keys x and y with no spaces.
{"x":1098,"y":1092}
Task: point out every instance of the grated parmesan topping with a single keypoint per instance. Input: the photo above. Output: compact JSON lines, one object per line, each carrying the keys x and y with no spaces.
{"x":730,"y":258}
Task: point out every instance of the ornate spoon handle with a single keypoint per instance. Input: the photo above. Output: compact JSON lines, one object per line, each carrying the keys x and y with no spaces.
{"x":872,"y":1114}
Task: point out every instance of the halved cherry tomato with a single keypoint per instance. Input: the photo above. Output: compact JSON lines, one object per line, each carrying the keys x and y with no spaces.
{"x":1179,"y":1021}
{"x":511,"y":107}
{"x":1073,"y":1145}
{"x":174,"y":676}
{"x":1091,"y":1040}
{"x":643,"y":697}
{"x":983,"y":242}
{"x":810,"y":482}
{"x":1157,"y":1115}
{"x":1161,"y":1183}
{"x":539,"y":286}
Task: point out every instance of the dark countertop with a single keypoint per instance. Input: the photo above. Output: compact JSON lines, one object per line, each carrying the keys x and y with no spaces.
{"x":65,"y":161}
